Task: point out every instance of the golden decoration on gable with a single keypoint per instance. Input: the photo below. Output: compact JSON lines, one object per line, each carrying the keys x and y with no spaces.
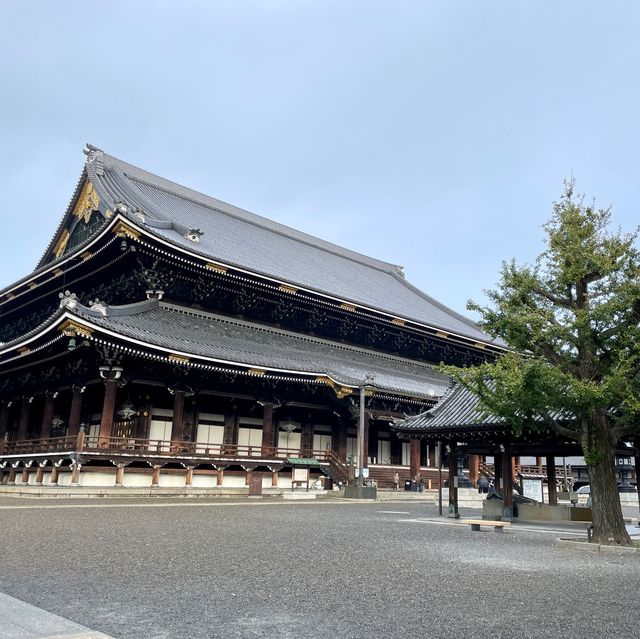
{"x":215,"y":267}
{"x":62,"y":243}
{"x":178,"y":359}
{"x":88,"y":202}
{"x":343,"y":391}
{"x":124,"y":230}
{"x":70,"y":328}
{"x":288,"y":289}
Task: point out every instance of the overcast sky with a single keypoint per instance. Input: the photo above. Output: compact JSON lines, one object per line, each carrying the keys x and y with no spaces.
{"x":431,"y":134}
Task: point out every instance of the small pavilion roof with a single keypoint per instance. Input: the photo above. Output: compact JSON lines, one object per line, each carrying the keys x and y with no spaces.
{"x":459,"y":408}
{"x":232,"y":236}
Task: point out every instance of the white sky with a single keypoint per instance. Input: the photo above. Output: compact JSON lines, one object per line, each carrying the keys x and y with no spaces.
{"x":432,"y":134}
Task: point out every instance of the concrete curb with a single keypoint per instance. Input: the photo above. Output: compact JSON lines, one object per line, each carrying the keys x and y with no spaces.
{"x":596,"y":548}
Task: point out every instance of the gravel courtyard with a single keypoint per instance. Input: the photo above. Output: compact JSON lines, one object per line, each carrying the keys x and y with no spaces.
{"x":267,"y":569}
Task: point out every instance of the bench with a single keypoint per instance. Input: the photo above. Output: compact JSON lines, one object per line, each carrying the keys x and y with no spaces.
{"x":474,"y":524}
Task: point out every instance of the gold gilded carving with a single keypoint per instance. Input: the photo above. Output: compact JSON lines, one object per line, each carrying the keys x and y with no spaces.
{"x":24,"y":350}
{"x":32,"y":285}
{"x":216,"y":268}
{"x":479,"y":345}
{"x":62,"y":243}
{"x":397,"y":321}
{"x":69,"y":328}
{"x":179,"y":359}
{"x":57,"y":272}
{"x":441,"y":334}
{"x":87,"y":203}
{"x":9,"y":296}
{"x":124,"y":230}
{"x":342,"y":392}
{"x":86,"y":255}
{"x":288,"y":289}
{"x":348,"y":307}
{"x":257,"y":371}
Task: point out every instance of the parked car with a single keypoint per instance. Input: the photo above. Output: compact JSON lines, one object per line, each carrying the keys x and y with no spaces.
{"x":584,"y":490}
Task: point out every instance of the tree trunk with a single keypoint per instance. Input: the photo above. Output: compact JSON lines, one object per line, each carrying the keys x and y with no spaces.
{"x":599,"y":452}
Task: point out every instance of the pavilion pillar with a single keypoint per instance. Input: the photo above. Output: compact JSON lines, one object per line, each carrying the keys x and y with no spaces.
{"x":365,"y":444}
{"x":188,"y":478}
{"x":507,"y":480}
{"x":497,"y":471}
{"x":143,"y":420}
{"x":453,"y":481}
{"x":247,"y":477}
{"x":11,"y":480}
{"x":274,"y":479}
{"x":178,"y":418}
{"x":474,"y":465}
{"x":47,"y":415}
{"x":220,"y":477}
{"x":414,"y":457}
{"x":54,"y":476}
{"x":267,"y":429}
{"x":551,"y":480}
{"x":4,"y":419}
{"x":431,"y":454}
{"x":75,"y":411}
{"x":23,"y":422}
{"x":25,"y":474}
{"x":108,"y":409}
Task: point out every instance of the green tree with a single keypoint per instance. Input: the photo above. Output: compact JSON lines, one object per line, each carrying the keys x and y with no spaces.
{"x":572,"y":319}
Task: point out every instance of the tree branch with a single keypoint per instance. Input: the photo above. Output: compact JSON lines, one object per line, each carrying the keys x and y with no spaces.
{"x":618,"y":432}
{"x":561,"y":430}
{"x":565,"y":302}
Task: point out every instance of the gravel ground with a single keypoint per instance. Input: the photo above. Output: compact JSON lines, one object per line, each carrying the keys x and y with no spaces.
{"x":294,"y":570}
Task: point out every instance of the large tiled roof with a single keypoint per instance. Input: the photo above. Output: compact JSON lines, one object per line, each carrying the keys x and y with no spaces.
{"x":247,"y":241}
{"x":224,"y":340}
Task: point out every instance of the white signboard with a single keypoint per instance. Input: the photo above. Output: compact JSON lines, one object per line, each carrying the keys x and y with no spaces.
{"x":532,"y":488}
{"x":365,"y":473}
{"x":300,"y":474}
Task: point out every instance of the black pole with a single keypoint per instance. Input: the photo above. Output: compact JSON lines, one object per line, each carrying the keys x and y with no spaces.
{"x":440,"y":478}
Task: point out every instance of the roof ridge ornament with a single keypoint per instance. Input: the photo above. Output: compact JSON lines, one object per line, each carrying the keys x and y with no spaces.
{"x":99,"y":307}
{"x":194,"y":235}
{"x":68,"y":300}
{"x":95,"y":156}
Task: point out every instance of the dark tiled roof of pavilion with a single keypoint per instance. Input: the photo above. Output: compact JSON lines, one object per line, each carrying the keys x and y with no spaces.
{"x":458,"y":409}
{"x":247,"y":241}
{"x":230,"y":341}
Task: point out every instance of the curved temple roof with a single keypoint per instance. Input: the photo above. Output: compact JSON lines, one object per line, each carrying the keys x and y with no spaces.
{"x":216,"y":339}
{"x":238,"y":238}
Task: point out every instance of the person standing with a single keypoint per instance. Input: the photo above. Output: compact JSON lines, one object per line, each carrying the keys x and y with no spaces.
{"x":396,"y":482}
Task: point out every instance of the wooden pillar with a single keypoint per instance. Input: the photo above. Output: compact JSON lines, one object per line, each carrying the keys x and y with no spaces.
{"x":178,"y":417}
{"x":497,"y":471}
{"x":414,"y":457}
{"x":108,"y":410}
{"x":339,"y":443}
{"x":23,"y":422}
{"x":453,"y":481}
{"x":220,"y":477}
{"x":11,"y":480}
{"x":551,"y":480}
{"x":54,"y":476}
{"x":432,"y":455}
{"x":39,"y":475}
{"x":155,"y":476}
{"x":306,"y":439}
{"x":120,"y":475}
{"x":507,"y":480}
{"x":4,"y":419}
{"x":75,"y":474}
{"x":267,"y":429}
{"x":230,"y":433}
{"x":274,"y":479}
{"x":247,"y":477}
{"x":47,"y":415}
{"x":473,"y":470}
{"x":188,"y":478}
{"x":75,"y":411}
{"x":143,"y":422}
{"x":25,"y":474}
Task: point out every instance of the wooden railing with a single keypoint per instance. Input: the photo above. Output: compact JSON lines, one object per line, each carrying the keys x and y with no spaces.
{"x":158,"y":447}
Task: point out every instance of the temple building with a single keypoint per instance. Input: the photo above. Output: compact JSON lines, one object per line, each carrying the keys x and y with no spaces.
{"x":166,"y":338}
